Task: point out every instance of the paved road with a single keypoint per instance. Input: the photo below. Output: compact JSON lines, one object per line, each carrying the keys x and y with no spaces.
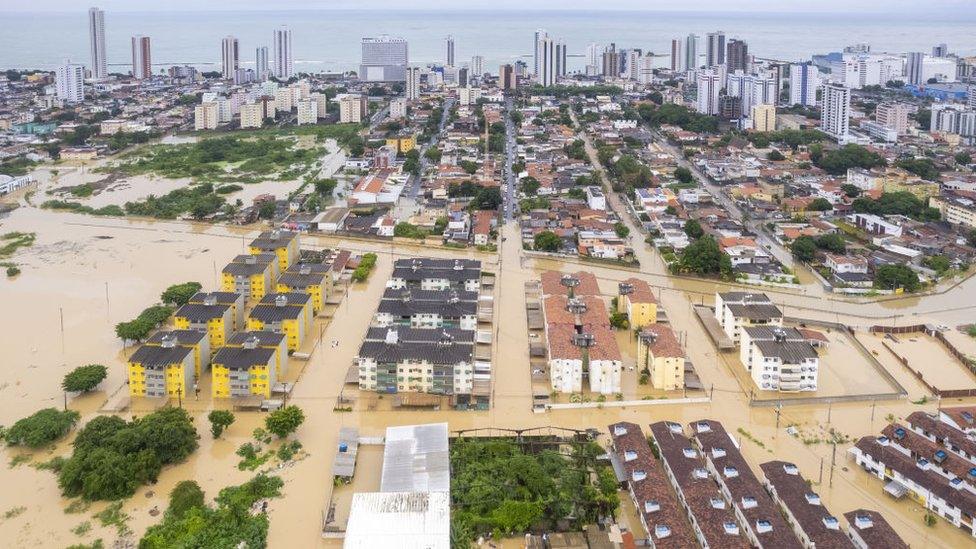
{"x":413,"y":186}
{"x":378,"y":117}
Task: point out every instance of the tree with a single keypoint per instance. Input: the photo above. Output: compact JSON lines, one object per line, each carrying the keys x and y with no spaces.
{"x":694,"y":229}
{"x":704,"y":257}
{"x":964,"y":158}
{"x":683,"y":174}
{"x":134,"y":330}
{"x":804,"y":248}
{"x":622,"y":230}
{"x":324,"y":187}
{"x":434,"y":155}
{"x":180,"y":294}
{"x":469,"y":166}
{"x":837,"y":162}
{"x":892,"y":277}
{"x":267,"y":210}
{"x":84,"y":378}
{"x":819,"y":204}
{"x":186,"y":495}
{"x":971,"y":237}
{"x":284,"y":421}
{"x":41,"y":428}
{"x":832,"y":243}
{"x":219,"y":420}
{"x":851,"y":191}
{"x":488,"y":198}
{"x":547,"y":241}
{"x":775,"y":156}
{"x":938,"y":263}
{"x":530,"y":186}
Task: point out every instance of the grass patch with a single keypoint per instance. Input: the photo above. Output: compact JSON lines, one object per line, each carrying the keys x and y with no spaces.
{"x":13,"y":241}
{"x":18,"y":460}
{"x":82,"y":529}
{"x":14,"y":512}
{"x":114,"y":516}
{"x":77,"y":506}
{"x":110,"y":210}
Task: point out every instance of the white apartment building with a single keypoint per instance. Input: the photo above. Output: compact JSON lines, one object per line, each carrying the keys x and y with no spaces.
{"x":321,"y":104}
{"x":398,"y":108}
{"x":835,"y":117}
{"x":96,"y":42}
{"x":352,"y":108}
{"x":954,"y":119}
{"x":752,"y":89}
{"x":645,"y":69}
{"x":69,"y":81}
{"x":205,"y":116}
{"x":804,"y":82}
{"x":284,"y":99}
{"x":230,"y":57}
{"x":709,"y":86}
{"x":595,"y":199}
{"x":307,"y":112}
{"x":468,"y":95}
{"x":283,"y":62}
{"x":252,"y":115}
{"x":893,"y":115}
{"x":857,"y":70}
{"x":412,"y":88}
{"x":787,"y":366}
{"x":735,"y":310}
{"x":384,"y":59}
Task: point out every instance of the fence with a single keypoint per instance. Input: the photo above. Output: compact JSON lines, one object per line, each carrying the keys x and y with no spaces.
{"x":941,"y":338}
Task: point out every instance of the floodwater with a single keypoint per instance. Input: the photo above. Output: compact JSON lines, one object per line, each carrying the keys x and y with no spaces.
{"x":95,"y":272}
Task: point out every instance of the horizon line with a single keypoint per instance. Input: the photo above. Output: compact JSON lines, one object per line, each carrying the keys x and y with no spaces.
{"x":942,"y":11}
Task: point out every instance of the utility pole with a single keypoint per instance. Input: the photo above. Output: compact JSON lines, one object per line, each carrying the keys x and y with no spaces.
{"x":779,"y":410}
{"x":833,"y":461}
{"x":179,"y":395}
{"x":820,"y":480}
{"x":61,"y":313}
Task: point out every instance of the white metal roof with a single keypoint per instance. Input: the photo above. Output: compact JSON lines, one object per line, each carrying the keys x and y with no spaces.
{"x":416,"y":459}
{"x":407,"y":520}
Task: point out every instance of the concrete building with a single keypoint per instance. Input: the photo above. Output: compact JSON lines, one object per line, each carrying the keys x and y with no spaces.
{"x":232,"y":299}
{"x":477,"y":66}
{"x":893,"y":115}
{"x":412,"y":87}
{"x":252,"y":116}
{"x":709,"y":86}
{"x":229,"y":57}
{"x":384,"y":59}
{"x":69,"y":82}
{"x":205,"y":116}
{"x":248,"y":370}
{"x":214,"y":318}
{"x":283,"y":58}
{"x":715,"y":49}
{"x":735,"y":310}
{"x":307,"y":113}
{"x":96,"y":43}
{"x":261,"y":70}
{"x":506,"y":78}
{"x":691,"y":52}
{"x":436,"y":274}
{"x":636,"y":299}
{"x":737,"y":56}
{"x":764,"y":118}
{"x":661,"y":355}
{"x":678,"y":55}
{"x":804,"y":83}
{"x":812,"y":523}
{"x":913,"y":68}
{"x":141,"y":58}
{"x":836,"y":111}
{"x":352,"y":107}
{"x":196,"y":340}
{"x":869,"y":530}
{"x":288,"y":313}
{"x":779,"y":359}
{"x":955,"y":209}
{"x":449,"y":58}
{"x":283,"y":244}
{"x":164,"y":370}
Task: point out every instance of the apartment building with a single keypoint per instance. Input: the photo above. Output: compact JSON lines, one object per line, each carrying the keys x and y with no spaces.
{"x":950,"y":465}
{"x":287,"y":313}
{"x":196,"y":340}
{"x":314,"y":279}
{"x":660,"y":353}
{"x":711,"y":517}
{"x":635,"y":298}
{"x":284,"y":244}
{"x":250,"y":275}
{"x":164,"y":370}
{"x":436,"y":274}
{"x":757,"y":514}
{"x":442,"y":367}
{"x":265,"y":339}
{"x":811,"y":521}
{"x":215,"y":318}
{"x":232,"y":299}
{"x":869,"y":530}
{"x":581,"y":345}
{"x":735,"y":310}
{"x":245,"y":371}
{"x":658,"y":509}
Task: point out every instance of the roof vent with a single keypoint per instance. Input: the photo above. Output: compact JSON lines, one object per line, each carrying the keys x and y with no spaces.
{"x":863,"y":521}
{"x":392,"y":337}
{"x":305,"y":270}
{"x":169,"y":341}
{"x":210,"y":299}
{"x":251,"y":342}
{"x":281,"y":300}
{"x":251,"y":260}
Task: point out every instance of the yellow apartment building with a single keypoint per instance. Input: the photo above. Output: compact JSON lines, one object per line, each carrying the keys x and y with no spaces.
{"x":161,"y":371}
{"x":635,"y":298}
{"x":314,"y":279}
{"x":284,"y":244}
{"x":211,"y":317}
{"x":245,"y":371}
{"x":266,"y":340}
{"x":196,"y":340}
{"x":660,"y":353}
{"x":233,"y":299}
{"x":288,"y":313}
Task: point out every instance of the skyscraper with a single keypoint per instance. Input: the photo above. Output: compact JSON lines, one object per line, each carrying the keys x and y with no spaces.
{"x":709,"y":85}
{"x":547,"y":61}
{"x":540,"y":34}
{"x":611,"y":61}
{"x":738,"y":56}
{"x":412,"y":87}
{"x":714,"y":48}
{"x":384,"y":59}
{"x":691,"y":52}
{"x":835,"y":116}
{"x":804,"y":81}
{"x":971,"y":96}
{"x":141,"y":57}
{"x":942,"y":50}
{"x":593,"y":60}
{"x":506,"y":77}
{"x":913,"y":68}
{"x":230,"y":58}
{"x":69,"y":82}
{"x":560,"y":59}
{"x":477,"y":65}
{"x":261,"y":63}
{"x":283,"y":60}
{"x":678,"y":56}
{"x":96,"y":40}
{"x":645,"y":69}
{"x":450,"y":51}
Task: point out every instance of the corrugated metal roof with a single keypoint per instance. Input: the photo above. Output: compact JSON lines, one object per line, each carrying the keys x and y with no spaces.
{"x":416,"y":459}
{"x":412,"y":520}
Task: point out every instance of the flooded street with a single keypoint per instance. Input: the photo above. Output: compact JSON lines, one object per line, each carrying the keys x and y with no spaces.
{"x":95,"y":272}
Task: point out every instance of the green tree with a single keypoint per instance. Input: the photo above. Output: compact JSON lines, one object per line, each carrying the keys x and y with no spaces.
{"x":683,"y":174}
{"x":963,"y":158}
{"x":837,"y":162}
{"x":694,"y":229}
{"x":775,"y":156}
{"x":284,"y":421}
{"x":819,"y":204}
{"x":41,"y":428}
{"x":804,"y":248}
{"x":469,"y":166}
{"x":938,"y":263}
{"x":851,"y":191}
{"x":84,"y":378}
{"x":488,"y":198}
{"x":704,"y":257}
{"x":832,"y":243}
{"x":622,"y":230}
{"x":892,"y":277}
{"x":324,"y":187}
{"x":267,"y":210}
{"x":219,"y":420}
{"x":971,"y":237}
{"x":186,"y":495}
{"x":434,"y":155}
{"x":180,"y":294}
{"x":530,"y":186}
{"x":547,"y":241}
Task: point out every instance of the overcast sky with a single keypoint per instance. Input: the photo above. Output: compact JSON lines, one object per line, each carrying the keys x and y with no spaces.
{"x":890,"y":7}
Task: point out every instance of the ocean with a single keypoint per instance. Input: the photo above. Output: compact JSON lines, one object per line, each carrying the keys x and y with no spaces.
{"x":329,"y":40}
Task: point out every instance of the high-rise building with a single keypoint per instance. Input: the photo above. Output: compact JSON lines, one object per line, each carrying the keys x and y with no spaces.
{"x":69,"y":81}
{"x":752,"y":89}
{"x":632,"y":61}
{"x":506,"y":77}
{"x":283,"y":60}
{"x":412,"y":87}
{"x":230,"y":57}
{"x":893,"y":116}
{"x":561,"y":59}
{"x":477,"y":66}
{"x":764,"y":118}
{"x":205,"y":116}
{"x":261,"y":64}
{"x":547,"y":61}
{"x":913,"y":68}
{"x":593,"y":60}
{"x":540,"y":34}
{"x":352,"y":107}
{"x":691,"y":52}
{"x":737,"y":57}
{"x":678,"y":58}
{"x":709,"y":86}
{"x":836,"y":111}
{"x":955,"y":119}
{"x":645,"y":69}
{"x":462,"y":77}
{"x":610,"y":66}
{"x":714,"y":48}
{"x":450,"y":51}
{"x":307,"y":112}
{"x":804,"y":81}
{"x":141,"y":58}
{"x":971,"y":96}
{"x":384,"y":59}
{"x":96,"y":40}
{"x":942,"y":50}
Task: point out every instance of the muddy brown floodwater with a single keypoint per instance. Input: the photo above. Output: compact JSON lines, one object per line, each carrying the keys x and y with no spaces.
{"x":95,"y":272}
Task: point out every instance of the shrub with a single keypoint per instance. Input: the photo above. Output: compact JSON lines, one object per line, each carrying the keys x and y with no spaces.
{"x":42,"y":427}
{"x":284,"y":421}
{"x":219,"y":420}
{"x":84,"y":378}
